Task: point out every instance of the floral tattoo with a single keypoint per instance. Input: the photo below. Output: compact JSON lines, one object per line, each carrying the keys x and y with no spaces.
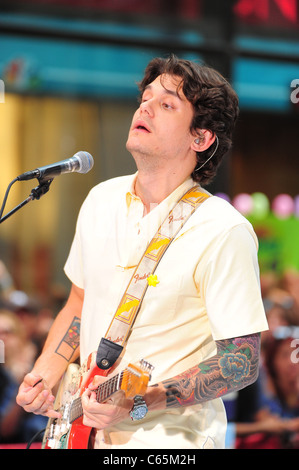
{"x":234,"y":367}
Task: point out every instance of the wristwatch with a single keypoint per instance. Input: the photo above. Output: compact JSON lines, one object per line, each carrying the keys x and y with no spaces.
{"x":139,"y":409}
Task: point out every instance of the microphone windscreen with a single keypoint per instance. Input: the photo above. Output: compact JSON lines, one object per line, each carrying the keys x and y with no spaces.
{"x":85,"y":160}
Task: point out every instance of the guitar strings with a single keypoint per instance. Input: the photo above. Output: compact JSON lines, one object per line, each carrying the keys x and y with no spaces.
{"x":107,"y":388}
{"x":104,"y":391}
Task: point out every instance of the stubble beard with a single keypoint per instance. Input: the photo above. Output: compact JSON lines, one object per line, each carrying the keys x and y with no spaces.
{"x":145,"y":159}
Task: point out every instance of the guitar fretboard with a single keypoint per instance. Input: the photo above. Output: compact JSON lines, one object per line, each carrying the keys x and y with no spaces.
{"x":104,"y":391}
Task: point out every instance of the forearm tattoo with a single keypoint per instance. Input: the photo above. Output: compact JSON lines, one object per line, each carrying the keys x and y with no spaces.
{"x":70,"y":341}
{"x":234,"y":367}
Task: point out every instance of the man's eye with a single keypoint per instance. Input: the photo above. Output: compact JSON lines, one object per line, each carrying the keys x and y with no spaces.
{"x":166,"y":105}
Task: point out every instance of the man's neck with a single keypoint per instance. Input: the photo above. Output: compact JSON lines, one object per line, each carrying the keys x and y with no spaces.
{"x":153,"y":188}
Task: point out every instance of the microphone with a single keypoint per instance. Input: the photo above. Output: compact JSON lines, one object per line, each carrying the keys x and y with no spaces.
{"x":81,"y":162}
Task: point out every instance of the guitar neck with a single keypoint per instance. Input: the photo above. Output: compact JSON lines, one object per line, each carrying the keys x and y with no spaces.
{"x":107,"y":388}
{"x":103,"y":392}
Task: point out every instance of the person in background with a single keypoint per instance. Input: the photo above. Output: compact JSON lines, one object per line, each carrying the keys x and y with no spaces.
{"x":275,"y":414}
{"x":280,"y":308}
{"x":16,"y":426}
{"x":6,"y":282}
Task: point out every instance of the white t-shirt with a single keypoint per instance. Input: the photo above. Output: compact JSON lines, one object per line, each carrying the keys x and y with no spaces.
{"x":208,"y":290}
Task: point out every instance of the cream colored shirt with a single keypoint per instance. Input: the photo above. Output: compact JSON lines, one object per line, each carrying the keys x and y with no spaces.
{"x":208,"y":290}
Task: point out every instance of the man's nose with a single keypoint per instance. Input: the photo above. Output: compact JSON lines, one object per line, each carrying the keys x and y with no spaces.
{"x":147,"y":107}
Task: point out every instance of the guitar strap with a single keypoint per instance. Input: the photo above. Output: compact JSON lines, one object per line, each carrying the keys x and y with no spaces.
{"x":118,"y":331}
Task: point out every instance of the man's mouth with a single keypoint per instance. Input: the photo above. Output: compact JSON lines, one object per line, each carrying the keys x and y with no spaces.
{"x":141,"y":126}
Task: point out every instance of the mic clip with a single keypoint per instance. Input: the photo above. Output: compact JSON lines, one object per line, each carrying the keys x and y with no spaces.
{"x":36,"y":193}
{"x":41,"y":189}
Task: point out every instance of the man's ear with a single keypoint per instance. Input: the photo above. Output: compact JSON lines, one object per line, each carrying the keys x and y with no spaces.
{"x":203,"y":140}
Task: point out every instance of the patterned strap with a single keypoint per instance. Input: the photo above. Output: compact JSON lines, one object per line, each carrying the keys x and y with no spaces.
{"x":143,"y":275}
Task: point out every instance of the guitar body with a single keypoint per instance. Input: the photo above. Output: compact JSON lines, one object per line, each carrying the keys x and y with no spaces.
{"x":68,"y":431}
{"x":60,"y":433}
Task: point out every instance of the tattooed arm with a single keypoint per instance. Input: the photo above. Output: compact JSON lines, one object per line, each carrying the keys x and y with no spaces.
{"x":235,"y":365}
{"x":61,"y":348}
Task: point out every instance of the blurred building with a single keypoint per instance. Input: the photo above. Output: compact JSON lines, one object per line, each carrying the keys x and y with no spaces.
{"x":69,"y":70}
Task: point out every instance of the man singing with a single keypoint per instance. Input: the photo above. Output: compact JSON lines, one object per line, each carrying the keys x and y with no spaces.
{"x":199,"y":323}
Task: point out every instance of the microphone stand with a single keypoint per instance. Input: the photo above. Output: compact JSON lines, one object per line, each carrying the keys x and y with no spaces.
{"x":36,"y":193}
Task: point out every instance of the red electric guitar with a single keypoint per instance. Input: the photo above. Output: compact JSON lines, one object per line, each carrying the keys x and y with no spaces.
{"x":69,"y":432}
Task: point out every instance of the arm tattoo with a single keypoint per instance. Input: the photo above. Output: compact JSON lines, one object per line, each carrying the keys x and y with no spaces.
{"x":70,"y":341}
{"x":234,"y":367}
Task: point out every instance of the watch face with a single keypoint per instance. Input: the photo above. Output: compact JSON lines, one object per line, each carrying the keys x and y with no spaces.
{"x":139,"y":409}
{"x":139,"y":412}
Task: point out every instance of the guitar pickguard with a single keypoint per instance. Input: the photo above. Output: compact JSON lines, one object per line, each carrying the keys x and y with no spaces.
{"x":57,"y":429}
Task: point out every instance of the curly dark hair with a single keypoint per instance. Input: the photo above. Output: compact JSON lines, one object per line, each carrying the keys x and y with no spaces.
{"x":215,"y":104}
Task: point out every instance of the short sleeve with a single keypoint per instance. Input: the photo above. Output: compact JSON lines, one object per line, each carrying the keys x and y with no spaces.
{"x":73,"y":267}
{"x":230,"y":285}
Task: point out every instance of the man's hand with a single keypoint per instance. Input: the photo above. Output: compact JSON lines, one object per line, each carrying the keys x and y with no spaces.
{"x":36,"y":397}
{"x":103,"y":415}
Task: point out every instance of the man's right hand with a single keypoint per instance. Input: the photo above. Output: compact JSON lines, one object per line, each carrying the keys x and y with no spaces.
{"x":36,"y":397}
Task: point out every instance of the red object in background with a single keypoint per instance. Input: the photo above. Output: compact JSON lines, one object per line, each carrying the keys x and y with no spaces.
{"x":181,"y":8}
{"x":35,"y":445}
{"x":272,"y":12}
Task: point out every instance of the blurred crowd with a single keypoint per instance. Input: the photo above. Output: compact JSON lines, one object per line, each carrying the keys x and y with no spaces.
{"x":24,"y":325}
{"x":263,"y":415}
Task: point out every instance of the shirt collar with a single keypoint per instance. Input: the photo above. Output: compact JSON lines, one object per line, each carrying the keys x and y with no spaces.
{"x":173,"y":197}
